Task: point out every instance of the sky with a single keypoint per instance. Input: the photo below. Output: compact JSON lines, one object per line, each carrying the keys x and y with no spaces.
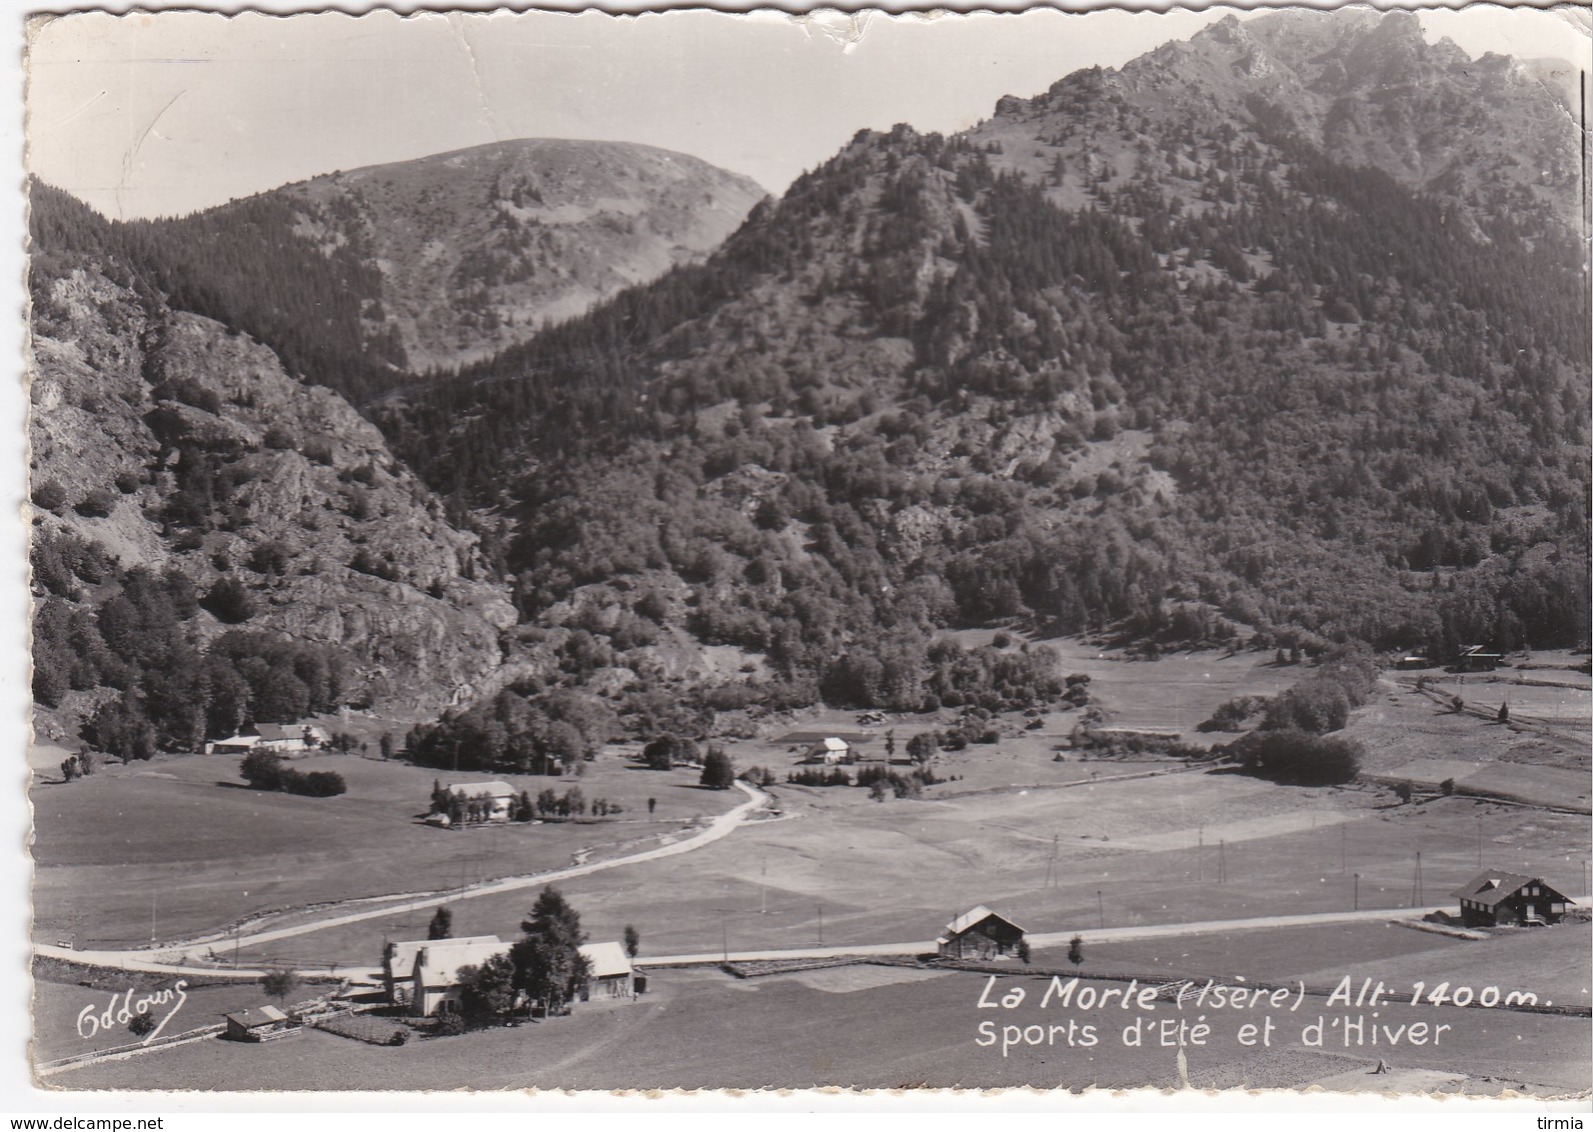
{"x":170,"y":112}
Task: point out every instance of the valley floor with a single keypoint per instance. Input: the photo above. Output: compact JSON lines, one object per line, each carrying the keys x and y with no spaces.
{"x":1065,"y":846}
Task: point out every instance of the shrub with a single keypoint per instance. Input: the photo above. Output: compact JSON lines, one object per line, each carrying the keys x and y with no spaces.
{"x":229,"y":601}
{"x":262,"y":770}
{"x":127,"y":482}
{"x":316,"y":784}
{"x":49,"y":495}
{"x":660,"y":754}
{"x":142,"y":1024}
{"x":399,"y":1038}
{"x":819,"y":776}
{"x":189,"y":392}
{"x":1233,"y":714}
{"x":271,"y":557}
{"x":280,"y":439}
{"x":1296,"y":758}
{"x":97,"y":504}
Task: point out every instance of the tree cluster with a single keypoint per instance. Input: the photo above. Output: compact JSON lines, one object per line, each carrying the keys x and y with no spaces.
{"x":265,"y":770}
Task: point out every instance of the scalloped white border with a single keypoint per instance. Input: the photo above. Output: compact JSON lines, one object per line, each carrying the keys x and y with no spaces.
{"x":20,"y":1098}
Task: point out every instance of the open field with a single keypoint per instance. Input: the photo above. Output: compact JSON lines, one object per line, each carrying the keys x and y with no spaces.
{"x":1176,"y":692}
{"x":57,"y":1005}
{"x":705,"y":1029}
{"x":840,"y":869}
{"x":1060,"y":846}
{"x":178,"y":846}
{"x":1408,"y":735}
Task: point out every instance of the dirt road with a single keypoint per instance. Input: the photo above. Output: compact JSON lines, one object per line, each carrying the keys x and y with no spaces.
{"x":147,"y":959}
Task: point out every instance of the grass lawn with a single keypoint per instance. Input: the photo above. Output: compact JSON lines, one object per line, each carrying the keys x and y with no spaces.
{"x":1276,"y":955}
{"x":58,"y":1030}
{"x":840,"y":869}
{"x":703,"y":1029}
{"x":179,"y":841}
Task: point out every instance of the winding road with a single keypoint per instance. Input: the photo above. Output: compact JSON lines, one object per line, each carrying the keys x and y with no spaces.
{"x":146,"y":959}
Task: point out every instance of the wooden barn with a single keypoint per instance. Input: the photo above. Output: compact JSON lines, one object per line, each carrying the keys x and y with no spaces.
{"x":611,"y":973}
{"x":979,"y":934}
{"x":259,"y":1024}
{"x":1503,"y":899}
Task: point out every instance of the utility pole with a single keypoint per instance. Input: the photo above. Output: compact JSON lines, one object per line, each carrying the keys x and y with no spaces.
{"x":1222,"y":862}
{"x":1416,"y":883}
{"x":1344,"y":848}
{"x":1100,"y":907}
{"x":152,"y":935}
{"x":821,"y":925}
{"x":1357,"y":892}
{"x":1200,"y":862}
{"x":1479,"y":841}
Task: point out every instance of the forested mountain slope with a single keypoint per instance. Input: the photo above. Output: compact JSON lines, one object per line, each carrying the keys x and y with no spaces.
{"x":360,"y":279}
{"x":215,"y":543}
{"x":1106,"y":358}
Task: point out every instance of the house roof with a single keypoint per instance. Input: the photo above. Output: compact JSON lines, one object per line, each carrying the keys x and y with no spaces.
{"x":257,"y":1016}
{"x":608,"y":960}
{"x":834,"y":744}
{"x":238,"y":741}
{"x":402,"y":962}
{"x":1489,"y":889}
{"x":278,"y":732}
{"x":494,"y":787}
{"x":437,"y":964}
{"x":973,"y":918}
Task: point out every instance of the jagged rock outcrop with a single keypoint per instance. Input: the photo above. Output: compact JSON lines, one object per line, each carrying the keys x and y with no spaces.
{"x":217,"y":463}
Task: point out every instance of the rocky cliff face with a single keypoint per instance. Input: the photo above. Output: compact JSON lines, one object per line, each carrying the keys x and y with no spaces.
{"x":480,"y":248}
{"x":1488,"y":135}
{"x":210,"y":459}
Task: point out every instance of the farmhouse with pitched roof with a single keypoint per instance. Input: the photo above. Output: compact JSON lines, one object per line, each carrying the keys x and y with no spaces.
{"x":498,"y":795}
{"x":1495,"y":899}
{"x":979,"y":934}
{"x":435,"y":980}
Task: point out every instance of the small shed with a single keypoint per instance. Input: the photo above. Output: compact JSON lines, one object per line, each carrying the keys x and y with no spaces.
{"x":1502,"y":899}
{"x":830,"y":750}
{"x":612,"y":975}
{"x":259,"y":1024}
{"x":979,"y":934}
{"x":1476,"y":658}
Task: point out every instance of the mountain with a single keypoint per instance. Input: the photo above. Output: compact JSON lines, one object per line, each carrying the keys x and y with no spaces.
{"x":479,"y":248}
{"x":203,"y":522}
{"x":1275,"y":338}
{"x":361,"y":279}
{"x":1361,"y":87}
{"x":1242,"y":341}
